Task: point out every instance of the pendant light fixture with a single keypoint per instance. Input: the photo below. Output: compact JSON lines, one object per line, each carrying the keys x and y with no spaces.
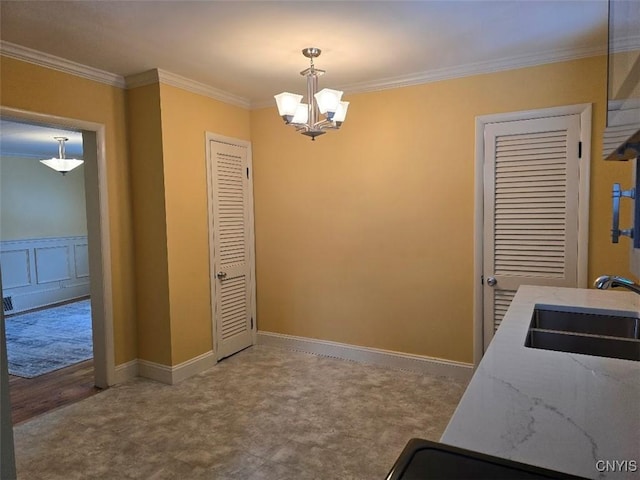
{"x":62,"y":164}
{"x":306,"y":117}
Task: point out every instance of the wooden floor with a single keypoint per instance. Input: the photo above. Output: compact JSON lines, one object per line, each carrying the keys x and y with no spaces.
{"x":34,"y":396}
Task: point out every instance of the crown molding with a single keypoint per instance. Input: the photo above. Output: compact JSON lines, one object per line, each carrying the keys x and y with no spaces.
{"x":476,"y":68}
{"x":23,"y":156}
{"x":174,"y":80}
{"x":142,"y":79}
{"x":626,"y":44}
{"x":42,"y":59}
{"x":162,"y":76}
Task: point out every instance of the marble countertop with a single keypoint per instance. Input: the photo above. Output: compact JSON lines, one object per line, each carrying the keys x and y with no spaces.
{"x":563,"y":411}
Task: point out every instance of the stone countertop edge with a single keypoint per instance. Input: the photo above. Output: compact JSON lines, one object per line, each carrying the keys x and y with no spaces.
{"x":562,"y":411}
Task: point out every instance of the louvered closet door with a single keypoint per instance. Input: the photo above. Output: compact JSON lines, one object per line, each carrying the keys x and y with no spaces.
{"x":531,"y":177}
{"x":231,"y":265}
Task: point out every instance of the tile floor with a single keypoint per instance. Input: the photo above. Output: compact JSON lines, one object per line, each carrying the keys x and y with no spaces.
{"x":265,"y":413}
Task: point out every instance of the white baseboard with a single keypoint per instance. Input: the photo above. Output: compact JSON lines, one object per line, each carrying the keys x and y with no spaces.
{"x":23,"y":302}
{"x":373,"y":356}
{"x":177,"y":373}
{"x":126,"y":371}
{"x":164,"y":373}
{"x":155,"y":371}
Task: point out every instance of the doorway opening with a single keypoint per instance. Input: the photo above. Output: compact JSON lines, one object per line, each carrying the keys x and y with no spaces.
{"x":69,"y":270}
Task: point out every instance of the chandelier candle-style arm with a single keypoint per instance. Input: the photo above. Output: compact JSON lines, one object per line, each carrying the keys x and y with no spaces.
{"x":324,"y":110}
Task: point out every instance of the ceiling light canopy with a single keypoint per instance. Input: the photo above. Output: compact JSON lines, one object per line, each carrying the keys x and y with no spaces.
{"x":306,"y":117}
{"x":62,"y":164}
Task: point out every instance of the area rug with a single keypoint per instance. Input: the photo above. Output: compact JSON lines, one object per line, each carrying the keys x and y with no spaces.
{"x":43,"y":341}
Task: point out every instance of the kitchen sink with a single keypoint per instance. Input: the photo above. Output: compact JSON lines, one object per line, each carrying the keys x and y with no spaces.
{"x":424,"y":459}
{"x":586,"y":322}
{"x":590,"y":333}
{"x":600,"y":346}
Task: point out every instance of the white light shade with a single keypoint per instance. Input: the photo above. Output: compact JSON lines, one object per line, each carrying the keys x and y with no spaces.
{"x":287,"y":103}
{"x":62,"y":165}
{"x":328,"y":100}
{"x":302,"y":114}
{"x":341,"y":112}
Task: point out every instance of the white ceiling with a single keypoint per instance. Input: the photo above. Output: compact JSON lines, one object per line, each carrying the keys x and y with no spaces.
{"x":251,"y":49}
{"x":23,"y":140}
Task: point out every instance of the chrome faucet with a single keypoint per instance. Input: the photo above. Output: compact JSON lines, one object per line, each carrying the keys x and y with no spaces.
{"x":611,"y":281}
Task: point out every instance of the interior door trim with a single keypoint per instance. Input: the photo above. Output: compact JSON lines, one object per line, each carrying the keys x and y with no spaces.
{"x":584,"y":110}
{"x":98,"y":230}
{"x":209,"y":136}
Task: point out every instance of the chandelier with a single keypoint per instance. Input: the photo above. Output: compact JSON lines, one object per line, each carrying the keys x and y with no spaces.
{"x":62,"y":164}
{"x":306,"y":117}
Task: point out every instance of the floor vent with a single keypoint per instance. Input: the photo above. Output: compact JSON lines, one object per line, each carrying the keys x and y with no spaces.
{"x":7,"y":304}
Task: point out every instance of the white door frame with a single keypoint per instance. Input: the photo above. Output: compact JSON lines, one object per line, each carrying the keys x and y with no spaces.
{"x":584,"y":110}
{"x":98,"y":234}
{"x":209,"y":136}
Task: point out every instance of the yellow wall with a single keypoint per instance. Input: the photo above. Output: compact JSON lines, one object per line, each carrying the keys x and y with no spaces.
{"x":149,"y":220}
{"x":29,"y":87}
{"x":38,"y":202}
{"x":365,"y":236}
{"x":155,"y":143}
{"x":167,"y":128}
{"x":186,"y":117}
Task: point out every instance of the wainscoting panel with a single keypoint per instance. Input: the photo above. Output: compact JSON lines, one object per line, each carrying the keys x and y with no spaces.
{"x":82,"y":260}
{"x":44,"y":271}
{"x":52,"y":264}
{"x":17,"y":263}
